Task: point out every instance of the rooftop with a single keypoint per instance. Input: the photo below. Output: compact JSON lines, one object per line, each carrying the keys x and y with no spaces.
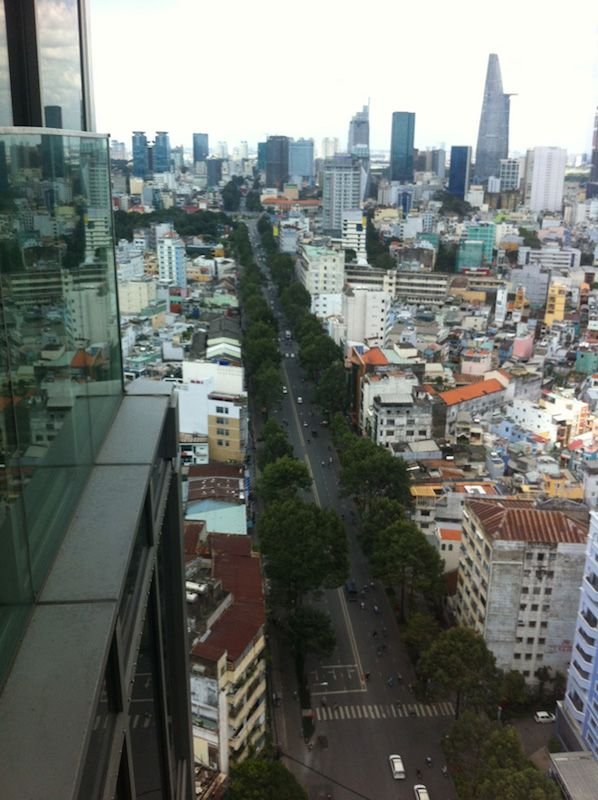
{"x":471,"y":392}
{"x":519,"y":520}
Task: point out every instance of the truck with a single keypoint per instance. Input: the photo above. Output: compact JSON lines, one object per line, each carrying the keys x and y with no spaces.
{"x":287,"y":335}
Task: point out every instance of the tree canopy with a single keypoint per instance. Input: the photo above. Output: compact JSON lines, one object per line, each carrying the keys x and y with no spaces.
{"x":331,"y":391}
{"x":263,"y":779}
{"x":282,"y":479}
{"x":370,"y":471}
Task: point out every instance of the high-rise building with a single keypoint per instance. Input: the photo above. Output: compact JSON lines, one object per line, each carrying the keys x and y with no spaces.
{"x":171,"y":261}
{"x":459,"y":171}
{"x":359,"y":131}
{"x":594,"y":172}
{"x":330,"y":147}
{"x":201,"y":149}
{"x":493,"y":133}
{"x":545,"y":178}
{"x":439,"y":162}
{"x":261,"y":155}
{"x":509,"y":174}
{"x":214,"y":171}
{"x":94,"y":680}
{"x":277,"y":161}
{"x":401,"y":146}
{"x":140,"y":152}
{"x":580,"y":706}
{"x":301,"y":161}
{"x":161,"y":152}
{"x":343,"y":186}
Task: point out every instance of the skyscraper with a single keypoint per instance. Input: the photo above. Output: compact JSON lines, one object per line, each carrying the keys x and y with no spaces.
{"x":94,"y":682}
{"x":200,"y":147}
{"x":545,"y":178}
{"x":277,"y":161}
{"x":359,"y":130}
{"x":344,"y":181}
{"x":401,"y":146}
{"x":140,"y":155}
{"x":162,"y":152}
{"x":459,"y":173}
{"x":594,"y":172}
{"x":301,"y":161}
{"x":493,"y":133}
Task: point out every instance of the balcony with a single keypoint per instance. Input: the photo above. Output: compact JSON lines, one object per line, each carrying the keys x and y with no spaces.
{"x":590,"y":583}
{"x":582,"y":676}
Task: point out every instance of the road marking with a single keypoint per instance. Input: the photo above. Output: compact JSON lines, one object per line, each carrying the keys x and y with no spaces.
{"x":384,"y":711}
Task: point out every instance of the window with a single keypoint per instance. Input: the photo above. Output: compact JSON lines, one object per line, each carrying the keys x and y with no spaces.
{"x":221,"y":421}
{"x":528,"y":656}
{"x":522,"y":606}
{"x":532,"y":624}
{"x":530,"y":640}
{"x":534,"y":606}
{"x":541,"y":640}
{"x":221,"y":410}
{"x":548,"y":591}
{"x":517,"y":656}
{"x":543,"y":624}
{"x":221,"y":432}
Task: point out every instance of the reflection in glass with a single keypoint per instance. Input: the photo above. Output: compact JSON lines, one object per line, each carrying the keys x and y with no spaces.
{"x":5,"y":97}
{"x":59,"y":56}
{"x":59,"y":346}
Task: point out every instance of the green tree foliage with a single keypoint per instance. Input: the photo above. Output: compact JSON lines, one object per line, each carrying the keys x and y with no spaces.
{"x":453,"y":206}
{"x":331,"y":391}
{"x":402,"y":556}
{"x":305,"y":549}
{"x":458,"y":663}
{"x":275,"y":444}
{"x":377,"y":251}
{"x":310,"y":630}
{"x":282,"y":479}
{"x":252,"y":201}
{"x":530,"y":238}
{"x":446,"y":259}
{"x":381,"y":514}
{"x":488,"y":762}
{"x":369,"y":471}
{"x":317,"y":353}
{"x":262,"y":779}
{"x":513,"y":691}
{"x":419,"y":633}
{"x":209,"y":224}
{"x":231,"y":194}
{"x":267,"y":387}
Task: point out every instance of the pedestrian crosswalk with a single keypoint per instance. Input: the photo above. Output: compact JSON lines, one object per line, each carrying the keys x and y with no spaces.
{"x":384,"y":711}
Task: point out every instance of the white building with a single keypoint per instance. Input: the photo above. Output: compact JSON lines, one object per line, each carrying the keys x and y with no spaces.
{"x":580,"y":705}
{"x":366,"y":315}
{"x":519,"y":575}
{"x":545,"y":178}
{"x":134,"y":296}
{"x":394,"y":386}
{"x":557,"y":417}
{"x":321,"y":269}
{"x":354,"y":233}
{"x":171,"y":261}
{"x":343,"y":187}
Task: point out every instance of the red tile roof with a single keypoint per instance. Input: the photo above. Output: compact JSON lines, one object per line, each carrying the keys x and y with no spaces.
{"x":471,"y":392}
{"x":449,"y":534}
{"x":375,"y":356}
{"x":520,"y":521}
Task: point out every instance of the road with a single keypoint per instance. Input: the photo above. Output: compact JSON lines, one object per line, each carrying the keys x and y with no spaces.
{"x":361,"y":718}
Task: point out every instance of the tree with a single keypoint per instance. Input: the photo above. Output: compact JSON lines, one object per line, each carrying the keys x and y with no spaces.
{"x":458,"y":663}
{"x":464,"y":748}
{"x":331,"y":391}
{"x":513,"y":690}
{"x":262,"y":779}
{"x":275,"y":444}
{"x":310,"y":631}
{"x":305,"y":549}
{"x":267,"y":387}
{"x":403,"y":556}
{"x":381,"y":514}
{"x":317,"y":353}
{"x":369,"y":471}
{"x":419,"y":633}
{"x":282,"y":479}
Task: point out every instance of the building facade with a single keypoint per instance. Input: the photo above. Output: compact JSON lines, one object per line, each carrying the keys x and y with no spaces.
{"x":519,"y":574}
{"x":545,"y":178}
{"x":201,"y":149}
{"x":402,"y":138}
{"x":493,"y":133}
{"x":301,"y":161}
{"x":343,"y":187}
{"x":140,"y":152}
{"x":171,"y":261}
{"x":459,"y":171}
{"x":161,"y":152}
{"x":359,"y":131}
{"x":277,"y":161}
{"x":91,"y":554}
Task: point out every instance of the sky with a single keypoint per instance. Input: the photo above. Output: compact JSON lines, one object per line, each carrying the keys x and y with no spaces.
{"x":246,"y":69}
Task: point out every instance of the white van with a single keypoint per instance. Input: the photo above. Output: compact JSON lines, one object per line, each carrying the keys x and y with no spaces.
{"x":299,"y":400}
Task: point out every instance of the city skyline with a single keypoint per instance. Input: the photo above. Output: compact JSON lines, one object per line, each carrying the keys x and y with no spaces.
{"x":209,"y":87}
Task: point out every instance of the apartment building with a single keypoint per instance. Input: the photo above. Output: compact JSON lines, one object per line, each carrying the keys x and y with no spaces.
{"x":519,"y":575}
{"x":320,"y":269}
{"x":579,"y":710}
{"x":441,"y":504}
{"x":422,"y":288}
{"x":401,"y":419}
{"x":226,"y":610}
{"x":476,"y":399}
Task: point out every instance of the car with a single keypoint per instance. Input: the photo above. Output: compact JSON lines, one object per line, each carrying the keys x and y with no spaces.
{"x":299,"y":400}
{"x":292,"y":355}
{"x":396,"y":767}
{"x":544,"y":717}
{"x":285,"y":390}
{"x":420,"y":792}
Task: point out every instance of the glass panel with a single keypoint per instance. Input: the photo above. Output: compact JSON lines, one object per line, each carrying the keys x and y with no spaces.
{"x":146,"y":725}
{"x":60,"y":360}
{"x":59,"y":56}
{"x":5,"y":96}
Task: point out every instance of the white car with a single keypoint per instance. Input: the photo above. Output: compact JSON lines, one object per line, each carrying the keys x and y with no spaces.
{"x":299,"y":400}
{"x":396,"y":767}
{"x":544,"y":717}
{"x":420,"y":792}
{"x":285,"y":390}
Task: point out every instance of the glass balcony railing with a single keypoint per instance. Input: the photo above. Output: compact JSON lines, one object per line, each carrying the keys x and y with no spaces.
{"x":59,"y":348}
